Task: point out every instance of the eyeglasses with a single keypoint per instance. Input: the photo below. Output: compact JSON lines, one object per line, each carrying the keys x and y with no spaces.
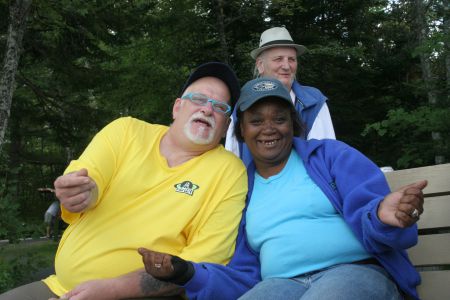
{"x":202,"y":100}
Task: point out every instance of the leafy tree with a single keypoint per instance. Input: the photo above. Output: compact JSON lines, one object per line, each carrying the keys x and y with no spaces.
{"x":424,"y":112}
{"x":86,"y":63}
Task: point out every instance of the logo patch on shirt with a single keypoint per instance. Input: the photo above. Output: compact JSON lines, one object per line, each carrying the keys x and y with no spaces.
{"x":186,"y":187}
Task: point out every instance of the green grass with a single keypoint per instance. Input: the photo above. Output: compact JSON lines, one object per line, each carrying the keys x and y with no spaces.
{"x":24,"y":262}
{"x":46,"y":248}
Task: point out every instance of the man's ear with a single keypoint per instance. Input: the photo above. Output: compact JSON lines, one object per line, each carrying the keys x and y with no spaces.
{"x":260,"y":65}
{"x":176,"y":108}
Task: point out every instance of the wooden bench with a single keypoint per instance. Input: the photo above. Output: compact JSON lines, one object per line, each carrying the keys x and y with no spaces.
{"x":431,"y":256}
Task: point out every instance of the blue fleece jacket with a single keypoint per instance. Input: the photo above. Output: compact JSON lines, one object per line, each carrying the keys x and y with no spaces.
{"x":355,"y":186}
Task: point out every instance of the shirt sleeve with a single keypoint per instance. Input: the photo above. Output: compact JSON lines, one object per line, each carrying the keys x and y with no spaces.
{"x":322,"y":127}
{"x":214,"y":238}
{"x":231,"y":142}
{"x":100,"y":158}
{"x":362,"y":186}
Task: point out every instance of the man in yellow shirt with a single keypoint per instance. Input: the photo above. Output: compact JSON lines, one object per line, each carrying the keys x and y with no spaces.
{"x":172,"y":189}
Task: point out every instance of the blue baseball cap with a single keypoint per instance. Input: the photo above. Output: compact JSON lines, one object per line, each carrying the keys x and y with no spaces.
{"x":261,"y":88}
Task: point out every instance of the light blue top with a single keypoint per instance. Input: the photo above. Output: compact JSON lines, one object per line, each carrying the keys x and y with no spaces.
{"x":355,"y":186}
{"x":294,"y":227}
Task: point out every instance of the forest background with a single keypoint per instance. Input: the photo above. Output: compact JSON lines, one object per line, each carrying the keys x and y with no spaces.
{"x":384,"y":65}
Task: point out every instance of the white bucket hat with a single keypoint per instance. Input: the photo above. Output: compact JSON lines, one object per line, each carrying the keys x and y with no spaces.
{"x":276,"y":37}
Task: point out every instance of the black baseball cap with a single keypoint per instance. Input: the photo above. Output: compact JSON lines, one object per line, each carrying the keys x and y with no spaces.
{"x":221,"y":71}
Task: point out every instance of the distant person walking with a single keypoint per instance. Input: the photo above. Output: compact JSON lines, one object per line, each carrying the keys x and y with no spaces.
{"x":51,"y":214}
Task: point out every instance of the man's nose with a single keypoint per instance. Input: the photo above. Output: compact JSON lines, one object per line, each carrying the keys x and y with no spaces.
{"x":207,"y":109}
{"x":285,"y":64}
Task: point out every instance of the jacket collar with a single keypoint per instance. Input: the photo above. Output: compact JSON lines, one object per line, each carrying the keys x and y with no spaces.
{"x":302,"y":94}
{"x":305,"y":148}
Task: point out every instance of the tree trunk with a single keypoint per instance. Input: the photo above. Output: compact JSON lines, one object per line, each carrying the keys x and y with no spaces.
{"x":427,"y":75}
{"x":17,"y":23}
{"x":221,"y":30}
{"x":422,"y":32}
{"x":447,"y":49}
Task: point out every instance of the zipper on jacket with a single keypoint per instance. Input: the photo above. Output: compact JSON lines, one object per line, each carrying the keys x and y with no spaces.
{"x":297,"y":100}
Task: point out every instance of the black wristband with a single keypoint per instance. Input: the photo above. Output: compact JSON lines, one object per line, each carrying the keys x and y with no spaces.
{"x":183,"y":271}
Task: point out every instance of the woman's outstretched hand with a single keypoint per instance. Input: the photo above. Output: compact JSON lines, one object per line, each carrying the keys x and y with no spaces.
{"x":403,"y":207}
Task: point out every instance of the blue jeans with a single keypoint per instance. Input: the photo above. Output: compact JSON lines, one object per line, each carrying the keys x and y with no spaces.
{"x":345,"y":281}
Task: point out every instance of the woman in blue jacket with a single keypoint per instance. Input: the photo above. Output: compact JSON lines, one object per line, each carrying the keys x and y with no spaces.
{"x":320,"y":221}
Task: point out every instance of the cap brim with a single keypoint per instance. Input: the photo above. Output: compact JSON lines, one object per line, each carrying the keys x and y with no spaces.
{"x":221,"y":71}
{"x":244,"y":106}
{"x":300,"y":49}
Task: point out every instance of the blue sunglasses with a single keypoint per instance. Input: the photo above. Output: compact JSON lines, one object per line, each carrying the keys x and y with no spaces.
{"x":202,"y":100}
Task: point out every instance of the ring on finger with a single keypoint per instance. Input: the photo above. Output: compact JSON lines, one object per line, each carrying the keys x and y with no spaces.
{"x":158,"y":266}
{"x":415,"y":213}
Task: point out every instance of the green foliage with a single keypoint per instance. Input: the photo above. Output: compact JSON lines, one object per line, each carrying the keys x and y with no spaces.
{"x":12,"y":226}
{"x":9,"y":218}
{"x":20,"y":262}
{"x":17,"y":270}
{"x":85,"y":63}
{"x":411,"y":131}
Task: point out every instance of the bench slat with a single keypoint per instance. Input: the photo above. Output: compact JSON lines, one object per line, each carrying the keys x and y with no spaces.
{"x":431,"y":250}
{"x":435,"y":285}
{"x":438,"y":177}
{"x":434,"y":215}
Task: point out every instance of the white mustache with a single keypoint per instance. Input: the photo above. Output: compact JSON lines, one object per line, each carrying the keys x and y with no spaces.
{"x":200,"y":116}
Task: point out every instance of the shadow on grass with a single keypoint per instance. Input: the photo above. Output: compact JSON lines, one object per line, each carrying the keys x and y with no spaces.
{"x":25,"y":262}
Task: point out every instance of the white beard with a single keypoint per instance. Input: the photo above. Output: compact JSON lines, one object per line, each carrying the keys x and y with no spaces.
{"x":204,"y":135}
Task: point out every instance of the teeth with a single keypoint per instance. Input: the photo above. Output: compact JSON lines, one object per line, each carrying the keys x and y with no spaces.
{"x":269,"y":143}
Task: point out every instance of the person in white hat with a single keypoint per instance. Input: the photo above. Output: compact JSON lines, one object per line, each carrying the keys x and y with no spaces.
{"x":276,"y":57}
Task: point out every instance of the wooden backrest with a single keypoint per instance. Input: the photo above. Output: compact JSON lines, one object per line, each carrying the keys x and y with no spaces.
{"x":431,"y":255}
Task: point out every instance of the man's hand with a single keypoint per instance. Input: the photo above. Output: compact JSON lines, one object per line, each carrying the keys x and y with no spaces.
{"x":403,"y":207}
{"x":136,"y":284}
{"x":101,"y":289}
{"x":157,"y":264}
{"x":76,"y":191}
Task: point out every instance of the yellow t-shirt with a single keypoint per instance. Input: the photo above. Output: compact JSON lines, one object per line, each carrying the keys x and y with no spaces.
{"x":191,"y":210}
